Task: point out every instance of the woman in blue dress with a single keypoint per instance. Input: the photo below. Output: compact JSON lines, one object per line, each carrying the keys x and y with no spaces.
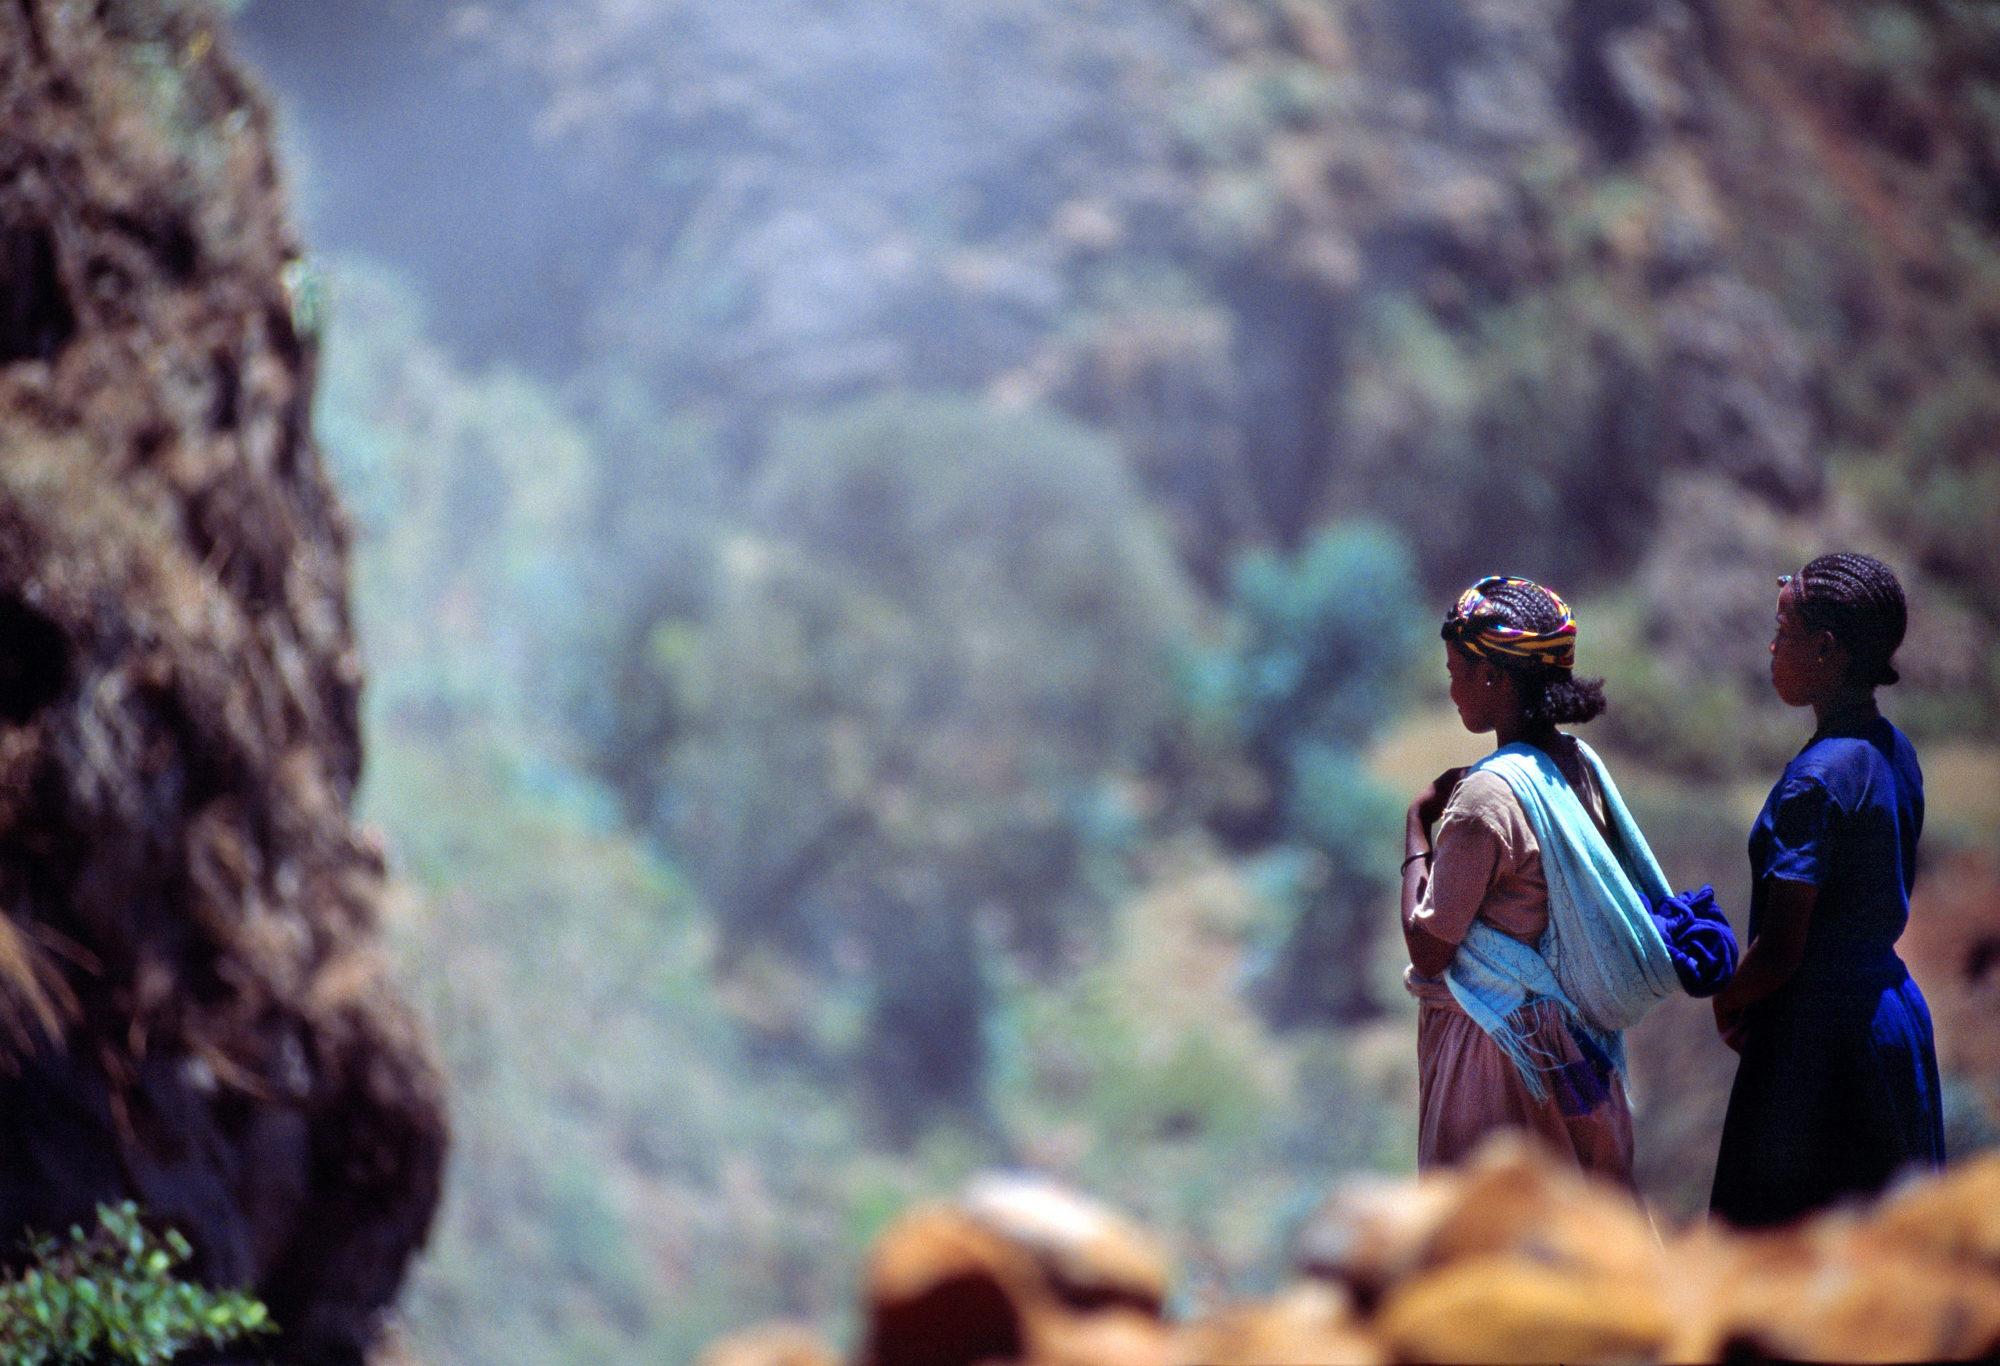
{"x":1837,"y":1089}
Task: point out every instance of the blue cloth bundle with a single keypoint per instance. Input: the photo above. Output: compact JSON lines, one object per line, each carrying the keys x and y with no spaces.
{"x":1699,"y":940}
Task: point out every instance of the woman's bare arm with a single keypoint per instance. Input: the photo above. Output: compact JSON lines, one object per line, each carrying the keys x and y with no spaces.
{"x":1771,"y":959}
{"x":1429,"y":955}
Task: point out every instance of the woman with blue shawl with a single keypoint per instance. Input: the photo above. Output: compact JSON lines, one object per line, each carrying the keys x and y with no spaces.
{"x":1538,"y":923}
{"x":1837,"y":1089}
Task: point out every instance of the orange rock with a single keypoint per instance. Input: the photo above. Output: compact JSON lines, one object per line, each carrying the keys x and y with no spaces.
{"x":943,"y":1289}
{"x":1088,"y":1252}
{"x":1510,"y":1308}
{"x":773,"y":1344}
{"x":1309,"y":1324}
{"x":1510,"y":1198}
{"x":1514,"y":1198}
{"x":1023,"y":1271}
{"x":1955,"y":1216}
{"x":1833,"y":1289}
{"x":1117,"y":1336}
{"x":1371,"y":1233}
{"x":1513,"y":1257}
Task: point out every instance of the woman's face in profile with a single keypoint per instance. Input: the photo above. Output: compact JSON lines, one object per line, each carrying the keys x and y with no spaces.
{"x":1469,"y":691}
{"x":1802,"y":667}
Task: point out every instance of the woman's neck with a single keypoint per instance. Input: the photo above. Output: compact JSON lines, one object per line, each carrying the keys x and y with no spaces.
{"x":1846,"y":705}
{"x":1519,"y":730}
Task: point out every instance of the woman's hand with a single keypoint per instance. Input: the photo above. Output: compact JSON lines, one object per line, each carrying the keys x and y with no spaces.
{"x":1729,"y":1023}
{"x":1430,"y":802}
{"x":1771,"y":959}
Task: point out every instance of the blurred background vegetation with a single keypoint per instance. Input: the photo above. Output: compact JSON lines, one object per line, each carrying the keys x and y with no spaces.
{"x":898,"y":542}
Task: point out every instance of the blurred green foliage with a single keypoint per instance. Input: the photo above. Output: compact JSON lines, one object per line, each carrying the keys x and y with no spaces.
{"x":1536,"y":301}
{"x":771,"y":844}
{"x":916,"y":652}
{"x":810,"y":798}
{"x":1517,"y":430}
{"x":1150,"y":1077}
{"x":109,"y":1295}
{"x":595,"y":1076}
{"x":1484,"y":276}
{"x":476,"y":499}
{"x":1320,"y":658}
{"x":1702,"y":727}
{"x":1900,"y":268}
{"x":621,"y":1179}
{"x":1328,"y":638}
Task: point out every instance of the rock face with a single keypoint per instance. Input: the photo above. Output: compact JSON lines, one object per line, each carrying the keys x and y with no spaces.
{"x":195,"y":1008}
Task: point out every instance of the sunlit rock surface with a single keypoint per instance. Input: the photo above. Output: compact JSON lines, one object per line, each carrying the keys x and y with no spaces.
{"x":1019,"y":1269}
{"x":197,"y":1012}
{"x":1513,"y":1257}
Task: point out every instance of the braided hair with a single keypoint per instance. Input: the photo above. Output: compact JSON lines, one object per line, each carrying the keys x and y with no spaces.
{"x":1550,"y":695}
{"x":1857,"y":599}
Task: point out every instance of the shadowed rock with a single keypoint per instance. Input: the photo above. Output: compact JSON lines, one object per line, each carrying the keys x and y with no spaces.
{"x":195,"y":1006}
{"x":1021,"y":1270}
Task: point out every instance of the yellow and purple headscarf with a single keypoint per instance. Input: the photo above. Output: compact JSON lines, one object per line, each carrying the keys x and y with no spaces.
{"x":1479,"y":625}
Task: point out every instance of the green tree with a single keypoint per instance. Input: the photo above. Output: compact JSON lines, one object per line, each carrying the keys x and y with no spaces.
{"x":940,"y":628}
{"x":1321,"y":658}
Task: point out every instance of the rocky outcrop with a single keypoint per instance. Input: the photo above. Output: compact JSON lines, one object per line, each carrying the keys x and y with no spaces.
{"x":1514,"y":1257}
{"x":198,"y":1016}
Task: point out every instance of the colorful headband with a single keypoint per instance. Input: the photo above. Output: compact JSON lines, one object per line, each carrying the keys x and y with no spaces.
{"x":1483,"y":631}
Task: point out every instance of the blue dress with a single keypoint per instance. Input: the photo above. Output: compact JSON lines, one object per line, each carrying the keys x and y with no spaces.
{"x":1837,"y":1089}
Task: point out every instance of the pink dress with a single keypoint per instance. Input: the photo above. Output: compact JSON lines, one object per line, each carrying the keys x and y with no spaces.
{"x":1488,"y":866}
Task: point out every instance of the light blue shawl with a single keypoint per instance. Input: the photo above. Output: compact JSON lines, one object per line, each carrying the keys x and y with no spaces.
{"x":1602,"y":957}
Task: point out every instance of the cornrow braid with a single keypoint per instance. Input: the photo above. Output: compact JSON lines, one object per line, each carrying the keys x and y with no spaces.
{"x":1549,"y":696}
{"x":1526,"y":605}
{"x":1858,"y":599}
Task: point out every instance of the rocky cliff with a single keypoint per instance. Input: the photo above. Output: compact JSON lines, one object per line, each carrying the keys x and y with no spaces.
{"x":197,"y":1014}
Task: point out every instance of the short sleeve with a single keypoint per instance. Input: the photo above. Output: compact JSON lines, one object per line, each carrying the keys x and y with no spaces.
{"x":1468,"y":851}
{"x":1800,"y":821}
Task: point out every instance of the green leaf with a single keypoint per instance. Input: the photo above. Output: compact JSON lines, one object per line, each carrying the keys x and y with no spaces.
{"x":108,"y":1297}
